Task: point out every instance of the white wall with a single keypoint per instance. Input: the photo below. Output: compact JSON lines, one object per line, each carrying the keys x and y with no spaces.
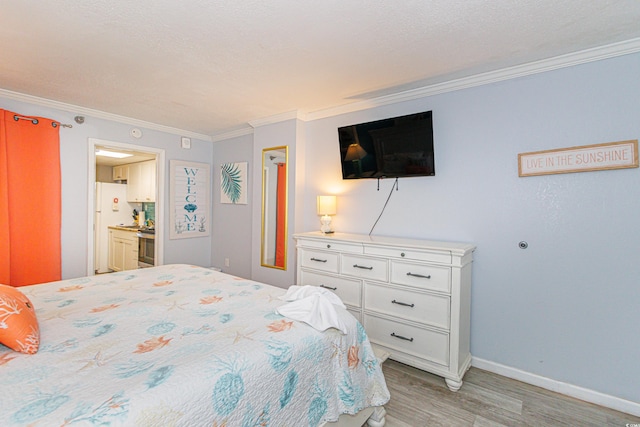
{"x":74,"y":166}
{"x":566,"y":308}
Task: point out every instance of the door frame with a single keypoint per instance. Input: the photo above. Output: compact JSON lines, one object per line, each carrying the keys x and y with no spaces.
{"x":160,"y":192}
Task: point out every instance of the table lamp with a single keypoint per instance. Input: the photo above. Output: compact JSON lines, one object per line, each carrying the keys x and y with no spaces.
{"x":326,"y":207}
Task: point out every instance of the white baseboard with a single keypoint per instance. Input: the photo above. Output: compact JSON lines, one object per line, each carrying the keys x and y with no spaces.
{"x":581,"y":393}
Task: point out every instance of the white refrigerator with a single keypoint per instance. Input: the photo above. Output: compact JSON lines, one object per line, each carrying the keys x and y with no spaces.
{"x":109,"y":212}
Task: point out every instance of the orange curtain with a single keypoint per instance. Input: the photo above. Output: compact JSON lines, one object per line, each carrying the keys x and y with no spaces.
{"x":30,"y":202}
{"x":280,"y":214}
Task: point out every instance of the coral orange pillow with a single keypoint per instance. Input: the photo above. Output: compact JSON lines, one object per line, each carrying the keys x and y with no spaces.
{"x":19,"y":328}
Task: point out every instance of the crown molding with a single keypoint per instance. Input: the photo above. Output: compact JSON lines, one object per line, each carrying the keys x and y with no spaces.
{"x":43,"y":102}
{"x":277,"y":118}
{"x":563,"y":61}
{"x":246,"y":130}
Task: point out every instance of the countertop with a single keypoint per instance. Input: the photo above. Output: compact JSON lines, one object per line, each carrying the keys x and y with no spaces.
{"x":133,"y":228}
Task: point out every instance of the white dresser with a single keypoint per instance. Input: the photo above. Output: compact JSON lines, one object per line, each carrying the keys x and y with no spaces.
{"x":412,"y":296}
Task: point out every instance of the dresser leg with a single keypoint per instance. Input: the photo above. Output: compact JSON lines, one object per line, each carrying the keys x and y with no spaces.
{"x":453,"y":384}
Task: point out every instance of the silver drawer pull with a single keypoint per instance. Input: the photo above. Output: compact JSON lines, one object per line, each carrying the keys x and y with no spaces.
{"x":328,"y":287}
{"x":393,"y":334}
{"x":402,"y":303}
{"x":418,"y":275}
{"x":362,"y":267}
{"x":318,"y":260}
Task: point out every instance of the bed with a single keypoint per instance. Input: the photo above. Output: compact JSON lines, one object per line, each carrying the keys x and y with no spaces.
{"x":186,"y":346}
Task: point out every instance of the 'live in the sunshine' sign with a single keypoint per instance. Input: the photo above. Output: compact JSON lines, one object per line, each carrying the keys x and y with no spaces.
{"x":189,"y":196}
{"x":613,"y":155}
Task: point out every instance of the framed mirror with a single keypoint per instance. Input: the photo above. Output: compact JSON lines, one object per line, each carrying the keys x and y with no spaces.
{"x":273,"y":244}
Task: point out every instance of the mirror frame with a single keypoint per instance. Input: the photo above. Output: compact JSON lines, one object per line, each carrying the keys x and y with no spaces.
{"x":263,"y":240}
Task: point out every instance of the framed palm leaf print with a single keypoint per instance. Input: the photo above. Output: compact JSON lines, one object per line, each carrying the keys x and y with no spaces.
{"x":233,"y":183}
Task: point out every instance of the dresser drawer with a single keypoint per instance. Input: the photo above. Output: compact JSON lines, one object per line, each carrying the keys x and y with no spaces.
{"x":324,"y":261}
{"x":348,"y":290}
{"x":421,"y":276}
{"x":423,"y":343}
{"x":366,"y":268}
{"x":419,"y":307}
{"x":334,"y":246}
{"x":440,"y":257}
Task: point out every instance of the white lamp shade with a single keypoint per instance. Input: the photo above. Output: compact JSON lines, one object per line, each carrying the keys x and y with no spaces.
{"x":326,"y":205}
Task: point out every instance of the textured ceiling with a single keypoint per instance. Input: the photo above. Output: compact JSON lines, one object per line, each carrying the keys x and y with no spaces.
{"x":210,"y":66}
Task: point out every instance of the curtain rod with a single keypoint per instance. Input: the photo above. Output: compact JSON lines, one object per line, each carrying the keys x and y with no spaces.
{"x":35,"y":121}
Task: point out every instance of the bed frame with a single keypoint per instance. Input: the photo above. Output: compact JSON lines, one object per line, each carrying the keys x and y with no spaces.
{"x":373,"y":417}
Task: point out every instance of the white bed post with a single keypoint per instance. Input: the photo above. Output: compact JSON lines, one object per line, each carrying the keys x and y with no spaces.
{"x":377,"y":419}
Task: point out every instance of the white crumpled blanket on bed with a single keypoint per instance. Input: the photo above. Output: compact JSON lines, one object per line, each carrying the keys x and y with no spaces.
{"x":315,"y":306}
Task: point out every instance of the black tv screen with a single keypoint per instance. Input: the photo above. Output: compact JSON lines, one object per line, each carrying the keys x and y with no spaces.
{"x":396,"y":147}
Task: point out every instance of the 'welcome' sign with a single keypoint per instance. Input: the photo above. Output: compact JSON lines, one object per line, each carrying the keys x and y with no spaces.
{"x":189,"y":196}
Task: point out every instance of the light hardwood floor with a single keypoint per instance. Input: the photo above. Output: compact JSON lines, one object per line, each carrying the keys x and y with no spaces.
{"x":485,"y":399}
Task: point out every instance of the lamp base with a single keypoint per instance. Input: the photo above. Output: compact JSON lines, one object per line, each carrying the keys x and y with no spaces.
{"x":325,"y":220}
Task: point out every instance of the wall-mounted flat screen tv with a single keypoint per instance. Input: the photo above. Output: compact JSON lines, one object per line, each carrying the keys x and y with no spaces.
{"x":389,"y":148}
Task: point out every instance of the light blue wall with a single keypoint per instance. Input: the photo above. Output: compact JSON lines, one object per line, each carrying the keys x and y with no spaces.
{"x":237,"y":228}
{"x":232,"y":225}
{"x":288,"y":133}
{"x":566,"y":308}
{"x":74,"y":165}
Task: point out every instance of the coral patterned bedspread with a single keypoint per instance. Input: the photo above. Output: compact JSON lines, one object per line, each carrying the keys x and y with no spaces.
{"x":181,"y":345}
